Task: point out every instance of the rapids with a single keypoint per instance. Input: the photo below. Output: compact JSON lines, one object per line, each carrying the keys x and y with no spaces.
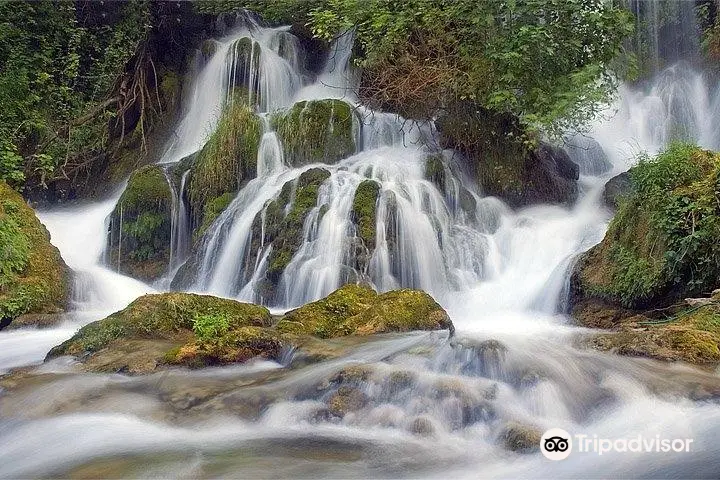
{"x":435,"y":407}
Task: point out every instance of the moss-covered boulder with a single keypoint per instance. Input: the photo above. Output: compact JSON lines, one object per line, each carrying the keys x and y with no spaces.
{"x":180,"y":323}
{"x":359,"y":310}
{"x":363,"y":212}
{"x":316,"y":131}
{"x":226,"y":162}
{"x":244,"y":58}
{"x":692,"y":335}
{"x":327,"y":318}
{"x":141,"y":224}
{"x":435,"y":170}
{"x":288,"y":236}
{"x":662,"y":244}
{"x":33,"y":277}
{"x":504,"y":166}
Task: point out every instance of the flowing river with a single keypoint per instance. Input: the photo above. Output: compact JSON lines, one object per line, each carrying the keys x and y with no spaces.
{"x":435,"y":407}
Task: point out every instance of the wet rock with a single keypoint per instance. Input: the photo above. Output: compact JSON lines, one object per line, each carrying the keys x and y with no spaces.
{"x":33,"y":277}
{"x":140,"y":226}
{"x":346,"y":400}
{"x":37,"y":320}
{"x":363,"y":212}
{"x":317,"y":131}
{"x":618,"y":187}
{"x":520,"y":438}
{"x":422,"y":426}
{"x":588,"y":154}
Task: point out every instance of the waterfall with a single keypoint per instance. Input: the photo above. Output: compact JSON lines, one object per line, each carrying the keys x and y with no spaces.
{"x":180,"y":223}
{"x":431,"y":406}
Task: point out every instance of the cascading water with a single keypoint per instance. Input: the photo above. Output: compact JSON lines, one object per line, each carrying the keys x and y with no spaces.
{"x":430,"y":407}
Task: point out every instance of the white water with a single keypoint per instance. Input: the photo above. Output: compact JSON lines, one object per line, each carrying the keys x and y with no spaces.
{"x":499,"y":273}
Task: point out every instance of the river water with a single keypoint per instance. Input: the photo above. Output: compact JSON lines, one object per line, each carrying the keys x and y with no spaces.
{"x":431,"y":406}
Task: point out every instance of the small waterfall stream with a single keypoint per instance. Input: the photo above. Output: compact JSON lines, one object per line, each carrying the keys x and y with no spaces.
{"x":432,"y":407}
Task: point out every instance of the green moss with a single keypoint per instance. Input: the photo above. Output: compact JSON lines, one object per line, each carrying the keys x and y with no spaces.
{"x":161,"y":316}
{"x":234,"y":345}
{"x":33,"y":276}
{"x":289,"y":234}
{"x":662,"y":244}
{"x":364,"y":209}
{"x":435,"y":171}
{"x":359,"y":310}
{"x":139,"y":241}
{"x":401,"y":311}
{"x":316,"y":131}
{"x":212,"y":209}
{"x":326,"y":318}
{"x":228,"y":159}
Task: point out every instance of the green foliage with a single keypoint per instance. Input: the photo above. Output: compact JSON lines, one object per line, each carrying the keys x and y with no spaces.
{"x":211,"y":211}
{"x":54,"y":69}
{"x":663,"y":241}
{"x":363,"y":210}
{"x":545,"y":61}
{"x":14,"y":244}
{"x":316,"y":131}
{"x":33,"y":277}
{"x":207,"y":327}
{"x":228,"y":158}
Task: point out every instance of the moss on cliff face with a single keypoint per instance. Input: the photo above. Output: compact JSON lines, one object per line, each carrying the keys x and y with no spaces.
{"x":364,"y":209}
{"x":662,"y":244}
{"x":139,"y":241}
{"x":33,"y":276}
{"x":289,"y":236}
{"x":316,"y":131}
{"x":226,"y":161}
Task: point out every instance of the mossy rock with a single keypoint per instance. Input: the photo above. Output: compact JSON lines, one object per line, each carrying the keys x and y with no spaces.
{"x":235,"y":345}
{"x":504,"y":166}
{"x":226,"y":162}
{"x":33,"y":277}
{"x":140,"y":225}
{"x":401,"y":311}
{"x":691,"y":335}
{"x":359,"y":310}
{"x":316,"y":131}
{"x":166,"y":316}
{"x":435,"y":171}
{"x":662,"y":244}
{"x":244,"y":56}
{"x":521,"y":438}
{"x":327,"y":318}
{"x":288,"y":236}
{"x":363,"y":212}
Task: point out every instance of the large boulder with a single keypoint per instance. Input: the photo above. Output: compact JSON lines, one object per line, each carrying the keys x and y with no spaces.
{"x":662,"y":244}
{"x":588,"y":154}
{"x":169,"y":328}
{"x":33,"y":277}
{"x":141,"y":224}
{"x":316,"y":131}
{"x":617,"y":188}
{"x":359,"y":310}
{"x":505,"y":167}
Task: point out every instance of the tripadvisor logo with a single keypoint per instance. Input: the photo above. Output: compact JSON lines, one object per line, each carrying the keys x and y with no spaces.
{"x":557,"y":444}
